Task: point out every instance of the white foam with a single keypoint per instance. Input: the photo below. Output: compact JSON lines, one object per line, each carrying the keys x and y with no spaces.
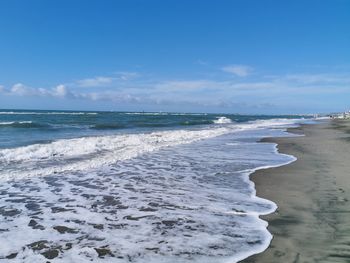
{"x":279,"y":123}
{"x":15,"y":122}
{"x":222,"y":120}
{"x":323,"y":118}
{"x":92,"y":152}
{"x":204,"y":188}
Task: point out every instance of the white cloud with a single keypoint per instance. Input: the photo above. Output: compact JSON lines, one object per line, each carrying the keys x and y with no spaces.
{"x":125,"y":75}
{"x":20,"y":89}
{"x":106,"y":81}
{"x":184,"y":85}
{"x":238,"y":70}
{"x":95,"y":82}
{"x":318,"y":78}
{"x":60,"y":91}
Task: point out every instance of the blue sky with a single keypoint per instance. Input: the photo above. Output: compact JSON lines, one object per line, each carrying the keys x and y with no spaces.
{"x":237,"y":56}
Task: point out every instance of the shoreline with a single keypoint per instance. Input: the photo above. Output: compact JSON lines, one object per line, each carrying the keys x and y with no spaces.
{"x":312,"y":196}
{"x":147,"y":200}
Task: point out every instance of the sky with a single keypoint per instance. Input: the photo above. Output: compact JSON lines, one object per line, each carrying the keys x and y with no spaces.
{"x":227,"y":56}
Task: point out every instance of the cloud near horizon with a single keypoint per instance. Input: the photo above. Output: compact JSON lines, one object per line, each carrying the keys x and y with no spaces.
{"x":225,"y":93}
{"x":20,"y":89}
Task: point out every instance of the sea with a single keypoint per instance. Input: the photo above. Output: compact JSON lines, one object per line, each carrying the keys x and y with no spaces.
{"x":78,"y":186}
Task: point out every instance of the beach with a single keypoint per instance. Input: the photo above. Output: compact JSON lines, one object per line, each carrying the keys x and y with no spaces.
{"x":311,"y":223}
{"x":105,"y":188}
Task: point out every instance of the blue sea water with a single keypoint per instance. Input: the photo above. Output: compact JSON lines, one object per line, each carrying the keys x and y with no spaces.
{"x":141,"y":187}
{"x":23,"y":127}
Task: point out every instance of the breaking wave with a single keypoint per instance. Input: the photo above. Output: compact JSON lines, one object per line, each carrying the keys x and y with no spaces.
{"x":222,"y":120}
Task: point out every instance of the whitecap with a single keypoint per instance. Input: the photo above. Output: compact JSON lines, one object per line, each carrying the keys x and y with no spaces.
{"x":222,"y":120}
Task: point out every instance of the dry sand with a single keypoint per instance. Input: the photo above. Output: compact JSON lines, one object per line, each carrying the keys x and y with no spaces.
{"x":312,"y":223}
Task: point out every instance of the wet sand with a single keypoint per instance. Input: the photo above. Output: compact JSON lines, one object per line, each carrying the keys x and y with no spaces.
{"x":312,"y":223}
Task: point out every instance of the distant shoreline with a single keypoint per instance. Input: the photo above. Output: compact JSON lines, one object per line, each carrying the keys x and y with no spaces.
{"x":150,"y":111}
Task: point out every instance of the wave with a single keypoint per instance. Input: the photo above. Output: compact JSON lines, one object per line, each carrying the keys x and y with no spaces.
{"x":165,"y":113}
{"x":222,"y":120}
{"x":21,"y":124}
{"x":145,"y":113}
{"x":277,"y":123}
{"x":93,"y":152}
{"x":107,"y":126}
{"x":13,"y":122}
{"x":172,"y":124}
{"x":223,"y":214}
{"x":199,"y":122}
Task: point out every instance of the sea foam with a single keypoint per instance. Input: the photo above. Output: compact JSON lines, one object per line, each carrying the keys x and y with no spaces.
{"x":181,"y":202}
{"x":222,"y":120}
{"x":7,"y":123}
{"x":92,"y":152}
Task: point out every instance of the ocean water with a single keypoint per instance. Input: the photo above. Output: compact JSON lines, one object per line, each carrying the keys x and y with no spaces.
{"x":134,"y":187}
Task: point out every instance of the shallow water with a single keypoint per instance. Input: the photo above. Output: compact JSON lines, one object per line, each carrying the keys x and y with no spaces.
{"x":172,"y":195}
{"x":190,"y":202}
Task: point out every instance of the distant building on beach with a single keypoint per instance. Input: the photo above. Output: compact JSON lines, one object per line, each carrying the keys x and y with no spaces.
{"x":344,"y":115}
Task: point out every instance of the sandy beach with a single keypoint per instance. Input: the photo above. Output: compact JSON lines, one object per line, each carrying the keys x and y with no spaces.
{"x":312,"y":222}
